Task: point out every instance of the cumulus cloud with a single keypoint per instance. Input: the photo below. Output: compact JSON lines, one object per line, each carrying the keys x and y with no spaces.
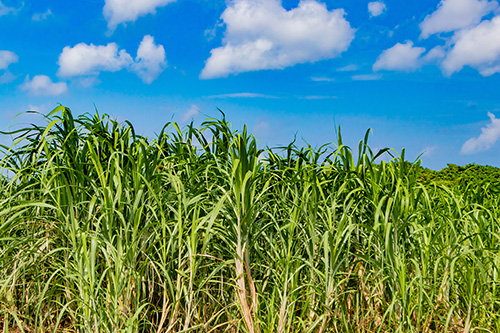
{"x":376,"y":8}
{"x":489,"y":135}
{"x":400,"y":57}
{"x":453,"y":15}
{"x":475,"y":43}
{"x":261,"y":34}
{"x":42,"y":16}
{"x":43,"y":85}
{"x":478,"y":47}
{"x":150,"y":60}
{"x":7,"y":58}
{"x":83,"y":59}
{"x":121,"y":11}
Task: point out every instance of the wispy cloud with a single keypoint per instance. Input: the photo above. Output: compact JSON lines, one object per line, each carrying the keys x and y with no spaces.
{"x":322,"y":79}
{"x":190,"y":114}
{"x":42,"y":16}
{"x":488,"y":137}
{"x":43,"y":108}
{"x":348,"y":68}
{"x":7,"y":77}
{"x":210,"y":33}
{"x":262,"y":129}
{"x":242,"y":95}
{"x":4,"y":10}
{"x":87,"y":81}
{"x":366,"y":77}
{"x":312,"y":97}
{"x":429,"y":151}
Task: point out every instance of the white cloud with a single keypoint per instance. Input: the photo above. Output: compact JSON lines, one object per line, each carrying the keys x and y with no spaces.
{"x":438,"y":53}
{"x":4,"y":10}
{"x":489,"y":135}
{"x":376,"y":8}
{"x":242,"y":95}
{"x":190,"y":114}
{"x":150,"y":60}
{"x":43,"y":85}
{"x":7,"y":58}
{"x":42,"y":16}
{"x":453,"y":15}
{"x":400,"y":57}
{"x":261,"y":34}
{"x":478,"y":47}
{"x":83,"y":59}
{"x":121,"y":11}
{"x":89,"y":60}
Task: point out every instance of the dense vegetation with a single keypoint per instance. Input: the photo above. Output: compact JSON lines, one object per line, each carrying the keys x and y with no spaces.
{"x":103,"y":230}
{"x":454,"y":175}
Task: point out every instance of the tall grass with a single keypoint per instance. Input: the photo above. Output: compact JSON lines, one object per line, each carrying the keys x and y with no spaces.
{"x":103,"y":230}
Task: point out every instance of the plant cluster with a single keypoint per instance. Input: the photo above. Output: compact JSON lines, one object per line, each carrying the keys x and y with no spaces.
{"x":104,"y":230}
{"x":470,"y":174}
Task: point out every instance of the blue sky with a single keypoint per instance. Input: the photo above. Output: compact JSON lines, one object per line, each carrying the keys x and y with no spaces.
{"x":423,"y":75}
